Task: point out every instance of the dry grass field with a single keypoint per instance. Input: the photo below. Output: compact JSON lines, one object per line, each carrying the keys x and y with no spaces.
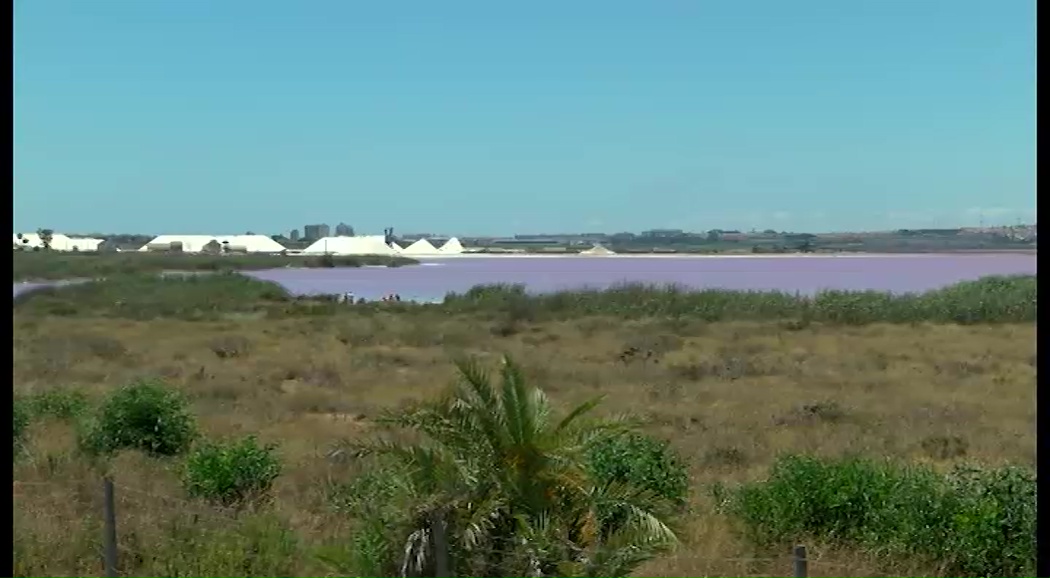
{"x":729,"y":395}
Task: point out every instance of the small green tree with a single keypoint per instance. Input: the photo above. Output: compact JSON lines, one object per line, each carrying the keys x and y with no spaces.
{"x":233,"y":473}
{"x":641,"y":461}
{"x":147,"y":416}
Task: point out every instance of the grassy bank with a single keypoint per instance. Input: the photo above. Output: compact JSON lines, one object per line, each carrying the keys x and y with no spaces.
{"x":988,"y":300}
{"x":910,"y":397}
{"x":54,"y":265}
{"x":1006,"y":299}
{"x":150,"y":296}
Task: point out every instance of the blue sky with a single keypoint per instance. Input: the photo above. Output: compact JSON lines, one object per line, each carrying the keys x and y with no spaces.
{"x":482,"y":117}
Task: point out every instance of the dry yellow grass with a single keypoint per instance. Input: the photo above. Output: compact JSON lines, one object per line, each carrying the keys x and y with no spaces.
{"x":730,"y":397}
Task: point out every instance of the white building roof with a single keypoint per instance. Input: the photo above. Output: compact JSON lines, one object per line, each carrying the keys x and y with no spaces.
{"x":28,"y":240}
{"x":190,"y":243}
{"x":253,"y":243}
{"x":420,"y":247}
{"x":59,"y":242}
{"x":364,"y":245}
{"x":84,"y":243}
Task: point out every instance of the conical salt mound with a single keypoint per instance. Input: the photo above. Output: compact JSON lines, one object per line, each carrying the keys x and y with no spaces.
{"x":363,"y":245}
{"x":396,"y":247}
{"x":420,"y":247}
{"x":597,"y":250}
{"x":452,"y":247}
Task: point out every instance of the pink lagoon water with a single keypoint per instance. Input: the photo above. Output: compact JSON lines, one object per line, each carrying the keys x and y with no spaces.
{"x":803,"y":274}
{"x":432,"y":279}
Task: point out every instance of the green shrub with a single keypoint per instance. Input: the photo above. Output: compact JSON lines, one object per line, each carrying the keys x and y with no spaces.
{"x":993,"y":299}
{"x":369,"y":551}
{"x":257,"y":544}
{"x":639,"y":461}
{"x":59,"y":403}
{"x":376,"y":499}
{"x":994,"y":526}
{"x":20,"y":413}
{"x":231,"y":473}
{"x":973,"y":522}
{"x":147,"y":416}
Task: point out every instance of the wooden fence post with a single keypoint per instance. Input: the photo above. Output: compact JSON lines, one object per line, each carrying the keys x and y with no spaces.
{"x":801,"y":562}
{"x":110,"y":527}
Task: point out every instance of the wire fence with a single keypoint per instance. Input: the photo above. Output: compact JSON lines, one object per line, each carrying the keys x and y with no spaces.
{"x":117,"y":552}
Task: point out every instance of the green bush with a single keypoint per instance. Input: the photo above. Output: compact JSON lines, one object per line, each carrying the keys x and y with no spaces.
{"x":637,"y":463}
{"x":232,"y":473}
{"x":973,"y":522}
{"x":257,"y":544}
{"x":147,"y":416}
{"x":369,"y":551}
{"x":993,"y":299}
{"x":641,"y":462}
{"x":59,"y":403}
{"x":376,"y":499}
{"x":21,"y":414}
{"x":996,"y":299}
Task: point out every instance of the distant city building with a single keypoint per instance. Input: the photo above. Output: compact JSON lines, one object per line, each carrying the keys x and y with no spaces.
{"x":315,"y":232}
{"x":294,"y":235}
{"x":344,"y":230}
{"x":663,"y":233}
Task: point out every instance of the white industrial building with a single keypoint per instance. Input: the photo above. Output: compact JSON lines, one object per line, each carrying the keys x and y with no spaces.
{"x":252,"y":244}
{"x":218,"y":243}
{"x":183,"y":243}
{"x":59,"y":242}
{"x":363,"y":245}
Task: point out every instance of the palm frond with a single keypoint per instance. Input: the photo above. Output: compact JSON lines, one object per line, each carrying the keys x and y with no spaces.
{"x":578,"y":411}
{"x":478,"y":519}
{"x":417,"y":552}
{"x":478,"y":401}
{"x":607,"y":561}
{"x":515,"y":404}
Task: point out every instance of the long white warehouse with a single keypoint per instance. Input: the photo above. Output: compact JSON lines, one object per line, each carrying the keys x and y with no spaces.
{"x":59,"y":242}
{"x":222,"y":243}
{"x":363,"y":245}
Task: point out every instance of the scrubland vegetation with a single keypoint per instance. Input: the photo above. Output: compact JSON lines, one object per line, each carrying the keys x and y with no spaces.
{"x":638,"y":430}
{"x":55,"y":265}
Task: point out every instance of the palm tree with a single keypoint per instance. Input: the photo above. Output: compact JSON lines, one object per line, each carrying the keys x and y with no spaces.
{"x":494,"y":480}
